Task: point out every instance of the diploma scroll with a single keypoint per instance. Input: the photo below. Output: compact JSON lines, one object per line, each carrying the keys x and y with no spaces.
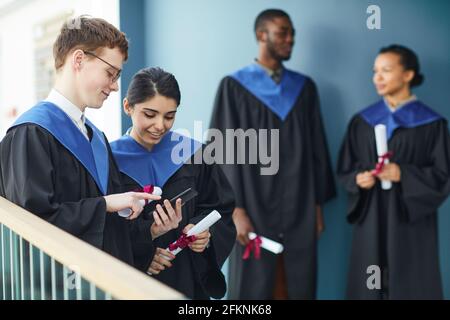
{"x":382,"y":150}
{"x":267,"y":244}
{"x":201,"y":226}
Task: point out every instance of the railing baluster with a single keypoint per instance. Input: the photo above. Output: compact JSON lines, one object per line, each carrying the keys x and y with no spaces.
{"x":3,"y":264}
{"x":15,"y":265}
{"x":11,"y":262}
{"x":92,"y":295}
{"x":31,"y":272}
{"x":53,"y":279}
{"x":41,"y":264}
{"x":22,"y":284}
{"x":66,"y":291}
{"x":17,"y":292}
{"x":78,"y":286}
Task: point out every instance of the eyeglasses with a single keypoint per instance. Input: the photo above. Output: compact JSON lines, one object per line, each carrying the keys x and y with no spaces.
{"x":113,"y":77}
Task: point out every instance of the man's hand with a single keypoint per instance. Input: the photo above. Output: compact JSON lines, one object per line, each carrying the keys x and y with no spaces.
{"x":319,"y":221}
{"x":243,"y":225}
{"x":128,"y":200}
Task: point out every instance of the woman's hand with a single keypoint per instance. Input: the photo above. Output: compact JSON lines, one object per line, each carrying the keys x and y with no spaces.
{"x":166,"y":218}
{"x":201,"y":239}
{"x":365,"y":180}
{"x":390,"y":172}
{"x":161,"y":261}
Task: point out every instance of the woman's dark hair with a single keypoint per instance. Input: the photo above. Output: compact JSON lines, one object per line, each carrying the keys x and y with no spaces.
{"x":409,"y":61}
{"x":149,"y":82}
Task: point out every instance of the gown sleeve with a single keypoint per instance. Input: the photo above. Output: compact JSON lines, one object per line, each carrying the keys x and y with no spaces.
{"x":29,"y":165}
{"x":348,"y":167}
{"x":225,"y":116}
{"x":142,"y":243}
{"x":215,"y":193}
{"x":141,"y":238}
{"x":323,"y":172}
{"x":425,"y":188}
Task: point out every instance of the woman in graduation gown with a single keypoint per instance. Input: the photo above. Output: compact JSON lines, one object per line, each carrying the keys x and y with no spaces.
{"x":396,"y":229}
{"x":151,"y":154}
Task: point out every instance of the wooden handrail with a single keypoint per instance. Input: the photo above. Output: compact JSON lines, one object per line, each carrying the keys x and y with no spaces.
{"x":106,"y":272}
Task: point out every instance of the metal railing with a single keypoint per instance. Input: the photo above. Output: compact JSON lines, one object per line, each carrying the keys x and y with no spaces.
{"x":42,"y":262}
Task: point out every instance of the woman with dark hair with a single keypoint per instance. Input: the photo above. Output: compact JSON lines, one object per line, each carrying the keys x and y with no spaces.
{"x":152,"y":154}
{"x":395,"y":243}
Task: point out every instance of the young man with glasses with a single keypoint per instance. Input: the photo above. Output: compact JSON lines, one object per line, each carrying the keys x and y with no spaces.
{"x":56,"y":164}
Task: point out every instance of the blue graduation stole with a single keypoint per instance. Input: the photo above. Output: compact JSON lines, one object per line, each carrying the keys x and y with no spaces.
{"x":279,"y":98}
{"x":153,"y":167}
{"x":93,"y":155}
{"x":411,"y":115}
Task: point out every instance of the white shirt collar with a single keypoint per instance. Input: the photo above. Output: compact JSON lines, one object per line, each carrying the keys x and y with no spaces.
{"x":401,"y":104}
{"x":65,"y":105}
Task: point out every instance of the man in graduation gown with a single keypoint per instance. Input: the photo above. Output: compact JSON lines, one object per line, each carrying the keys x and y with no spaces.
{"x":285,"y":206}
{"x":197,"y":275}
{"x":55,"y":163}
{"x":396,"y":229}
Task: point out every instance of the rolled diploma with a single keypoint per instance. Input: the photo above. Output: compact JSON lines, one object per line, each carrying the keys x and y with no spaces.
{"x":201,"y":226}
{"x":127,"y":211}
{"x":382,"y":148}
{"x":267,"y":244}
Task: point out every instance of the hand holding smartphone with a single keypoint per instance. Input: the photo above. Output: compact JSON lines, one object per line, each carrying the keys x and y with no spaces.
{"x":185,"y":196}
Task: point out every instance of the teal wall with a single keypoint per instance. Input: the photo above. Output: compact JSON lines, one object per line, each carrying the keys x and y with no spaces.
{"x":200,"y":41}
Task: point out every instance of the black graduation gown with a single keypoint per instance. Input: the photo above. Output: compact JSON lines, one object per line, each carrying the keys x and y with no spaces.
{"x":39,"y":174}
{"x":396,"y":228}
{"x":197,"y":275}
{"x":281,"y":206}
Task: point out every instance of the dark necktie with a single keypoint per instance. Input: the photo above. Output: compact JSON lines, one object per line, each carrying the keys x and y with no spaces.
{"x":276,"y":76}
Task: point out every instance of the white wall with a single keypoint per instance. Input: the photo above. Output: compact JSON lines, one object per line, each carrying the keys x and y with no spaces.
{"x":18,"y":19}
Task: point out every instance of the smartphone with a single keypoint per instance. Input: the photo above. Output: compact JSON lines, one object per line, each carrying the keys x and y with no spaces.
{"x":185,"y":196}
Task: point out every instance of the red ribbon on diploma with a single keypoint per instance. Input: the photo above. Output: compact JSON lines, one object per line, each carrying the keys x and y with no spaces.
{"x":253,"y":245}
{"x":182,"y":242}
{"x":380,"y":165}
{"x":147,"y":189}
